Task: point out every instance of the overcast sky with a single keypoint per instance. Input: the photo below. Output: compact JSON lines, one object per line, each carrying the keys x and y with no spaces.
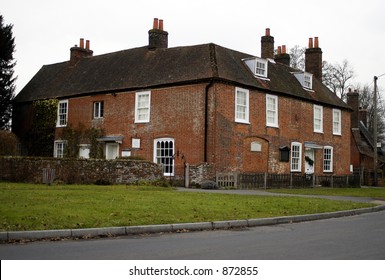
{"x":45,"y":30}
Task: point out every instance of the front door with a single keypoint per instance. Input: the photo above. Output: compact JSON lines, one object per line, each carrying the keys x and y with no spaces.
{"x":112,"y":150}
{"x":309,"y":161}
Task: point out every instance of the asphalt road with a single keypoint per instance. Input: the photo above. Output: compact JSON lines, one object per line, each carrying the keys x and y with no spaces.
{"x":356,"y":237}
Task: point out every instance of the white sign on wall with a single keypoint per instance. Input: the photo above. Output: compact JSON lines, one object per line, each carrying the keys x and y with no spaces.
{"x":136,"y":143}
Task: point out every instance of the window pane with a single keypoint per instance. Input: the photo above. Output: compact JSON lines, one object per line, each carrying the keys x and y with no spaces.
{"x":271,"y":111}
{"x":318,"y":119}
{"x":336,"y":121}
{"x":62,"y":113}
{"x":296,"y":157}
{"x":164,"y":156}
{"x":142,"y":109}
{"x":328,"y":159}
{"x":241,"y":105}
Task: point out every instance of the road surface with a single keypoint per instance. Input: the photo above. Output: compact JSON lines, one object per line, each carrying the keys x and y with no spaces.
{"x":355,"y":237}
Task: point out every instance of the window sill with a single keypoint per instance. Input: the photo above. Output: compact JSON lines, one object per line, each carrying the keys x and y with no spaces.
{"x":272,"y":126}
{"x":242,"y":122}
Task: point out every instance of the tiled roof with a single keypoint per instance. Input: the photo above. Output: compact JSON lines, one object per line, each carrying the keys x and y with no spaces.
{"x":141,"y":68}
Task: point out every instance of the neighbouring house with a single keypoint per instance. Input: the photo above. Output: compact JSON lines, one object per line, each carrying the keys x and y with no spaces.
{"x":197,"y":104}
{"x":362,"y":144}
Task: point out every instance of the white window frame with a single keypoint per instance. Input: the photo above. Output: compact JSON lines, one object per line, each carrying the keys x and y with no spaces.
{"x":98,"y":110}
{"x":59,"y":148}
{"x":142,"y":111}
{"x":62,"y":113}
{"x":242,"y":109}
{"x":307,"y":80}
{"x":167,"y":158}
{"x":296,"y":157}
{"x":337,"y":122}
{"x":272,"y":110}
{"x":318,"y":119}
{"x":328,"y":159}
{"x":261,"y":67}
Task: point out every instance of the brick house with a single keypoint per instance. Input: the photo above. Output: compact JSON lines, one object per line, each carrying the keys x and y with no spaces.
{"x":362,"y":144}
{"x":198,"y":104}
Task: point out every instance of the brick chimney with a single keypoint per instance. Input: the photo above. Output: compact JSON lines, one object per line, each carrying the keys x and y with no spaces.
{"x":313,"y":59}
{"x":157,"y":37}
{"x":267,"y":45}
{"x":79,"y":52}
{"x":363,"y":116}
{"x":282,"y":56}
{"x":353,"y":102}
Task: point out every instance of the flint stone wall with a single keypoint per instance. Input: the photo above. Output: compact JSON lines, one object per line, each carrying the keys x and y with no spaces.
{"x":79,"y":171}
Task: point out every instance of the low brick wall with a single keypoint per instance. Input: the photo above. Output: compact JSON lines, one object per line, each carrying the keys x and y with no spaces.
{"x":78,"y":171}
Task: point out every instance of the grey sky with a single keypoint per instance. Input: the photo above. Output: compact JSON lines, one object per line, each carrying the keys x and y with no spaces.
{"x":45,"y":30}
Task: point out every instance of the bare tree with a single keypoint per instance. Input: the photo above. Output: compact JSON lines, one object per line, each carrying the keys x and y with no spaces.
{"x":366,"y":102}
{"x":336,"y":77}
{"x":297,"y":57}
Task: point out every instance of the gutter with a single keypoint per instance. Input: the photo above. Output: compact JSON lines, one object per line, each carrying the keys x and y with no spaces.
{"x":207,"y":88}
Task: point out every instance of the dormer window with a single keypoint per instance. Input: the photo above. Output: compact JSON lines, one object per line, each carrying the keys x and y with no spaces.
{"x":258,"y":66}
{"x":306,"y":79}
{"x":261,"y":67}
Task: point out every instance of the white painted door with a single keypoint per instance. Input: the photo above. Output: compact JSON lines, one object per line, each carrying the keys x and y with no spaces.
{"x":112,"y":150}
{"x":309,"y":161}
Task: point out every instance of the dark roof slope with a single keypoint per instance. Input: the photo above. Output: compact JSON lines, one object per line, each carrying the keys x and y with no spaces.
{"x":141,"y":68}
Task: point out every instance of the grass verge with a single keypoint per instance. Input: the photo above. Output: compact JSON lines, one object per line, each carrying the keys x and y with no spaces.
{"x":378,"y":193}
{"x":41,"y":207}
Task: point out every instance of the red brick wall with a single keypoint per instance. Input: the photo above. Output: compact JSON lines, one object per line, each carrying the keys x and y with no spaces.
{"x":179,"y":113}
{"x":176,"y":112}
{"x":231,"y":144}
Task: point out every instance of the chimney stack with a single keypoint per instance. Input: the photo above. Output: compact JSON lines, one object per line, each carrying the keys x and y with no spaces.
{"x":267,"y":45}
{"x":282,"y":56}
{"x":313,"y":59}
{"x":353,"y":102}
{"x":79,"y":52}
{"x":363,"y":116}
{"x":157,"y":37}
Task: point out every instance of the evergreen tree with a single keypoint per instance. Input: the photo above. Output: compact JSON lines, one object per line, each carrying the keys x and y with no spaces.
{"x":7,"y":87}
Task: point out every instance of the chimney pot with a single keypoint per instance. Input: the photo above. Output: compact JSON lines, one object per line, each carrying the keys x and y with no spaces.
{"x":310,"y":43}
{"x":313,"y":59}
{"x":279,"y":50}
{"x":267,"y":33}
{"x":157,"y":37}
{"x":155,"y":24}
{"x":161,"y":24}
{"x":316,"y":42}
{"x":283,"y":49}
{"x":76,"y":53}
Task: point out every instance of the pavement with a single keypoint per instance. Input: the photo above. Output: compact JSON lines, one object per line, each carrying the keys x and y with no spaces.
{"x":85,"y":233}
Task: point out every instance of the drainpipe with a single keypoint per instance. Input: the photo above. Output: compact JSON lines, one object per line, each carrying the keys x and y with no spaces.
{"x":207,"y":88}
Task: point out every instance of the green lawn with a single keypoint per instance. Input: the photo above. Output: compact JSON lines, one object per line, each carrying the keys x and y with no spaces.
{"x":39,"y":207}
{"x":357,"y":192}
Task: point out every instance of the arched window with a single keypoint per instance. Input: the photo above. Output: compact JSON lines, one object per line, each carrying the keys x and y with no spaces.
{"x":164,"y":154}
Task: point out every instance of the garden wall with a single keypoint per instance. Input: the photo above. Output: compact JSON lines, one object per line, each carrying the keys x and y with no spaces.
{"x":78,"y":171}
